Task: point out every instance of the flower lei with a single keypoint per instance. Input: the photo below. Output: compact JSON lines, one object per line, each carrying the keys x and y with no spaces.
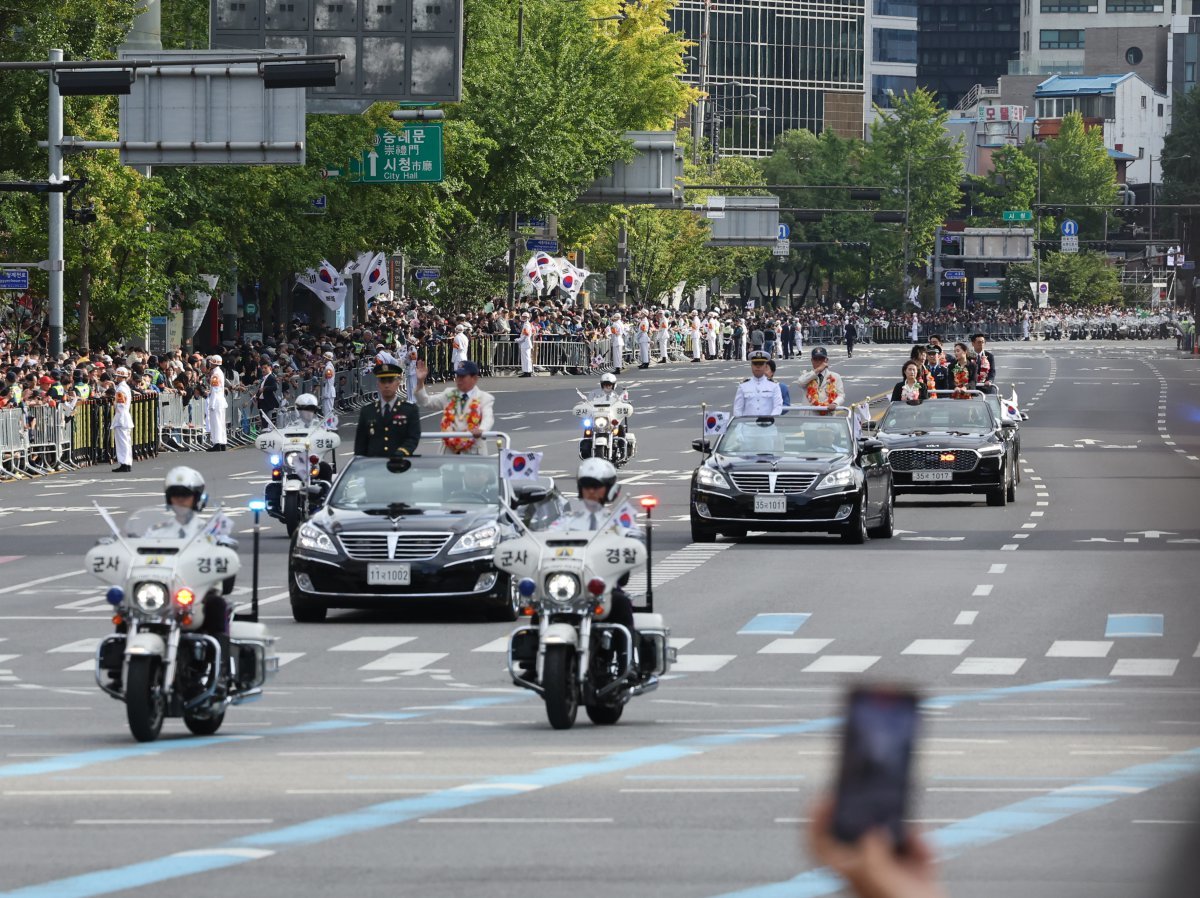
{"x":474,"y":419}
{"x":910,"y":392}
{"x":813,"y":393}
{"x":962,"y":376}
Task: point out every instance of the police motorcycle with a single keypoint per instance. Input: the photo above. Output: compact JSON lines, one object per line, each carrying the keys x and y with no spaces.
{"x":301,"y":446}
{"x":164,"y":565}
{"x":571,"y":654}
{"x":606,"y":427}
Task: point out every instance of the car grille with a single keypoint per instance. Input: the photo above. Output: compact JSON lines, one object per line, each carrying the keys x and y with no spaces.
{"x":930,"y":460}
{"x":393,"y":546}
{"x":767,"y":482}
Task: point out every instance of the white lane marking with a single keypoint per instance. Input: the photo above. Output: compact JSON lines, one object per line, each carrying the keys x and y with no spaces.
{"x":1079,"y":648}
{"x":1011,"y":547}
{"x":521,"y":821}
{"x":994,"y":666}
{"x":357,"y":791}
{"x":81,"y":646}
{"x":499,"y":644}
{"x":718,"y":791}
{"x":41,"y":580}
{"x":404,"y":661}
{"x":983,"y":589}
{"x":1029,"y":526}
{"x":288,"y":657}
{"x":1037,"y":514}
{"x":842,"y":664}
{"x":794,"y":646}
{"x":998,"y":569}
{"x":937,"y":647}
{"x":372,"y":644}
{"x":1144,"y":667}
{"x":965,"y":618}
{"x":230,"y":821}
{"x":75,"y":793}
{"x":701,"y":663}
{"x":81,"y":666}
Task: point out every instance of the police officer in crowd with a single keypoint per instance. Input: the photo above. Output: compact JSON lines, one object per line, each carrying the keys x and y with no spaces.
{"x":759,"y":395}
{"x":122,"y":421}
{"x":390,"y":426}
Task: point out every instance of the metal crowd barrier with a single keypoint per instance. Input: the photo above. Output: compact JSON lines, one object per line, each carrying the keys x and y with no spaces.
{"x":571,"y":356}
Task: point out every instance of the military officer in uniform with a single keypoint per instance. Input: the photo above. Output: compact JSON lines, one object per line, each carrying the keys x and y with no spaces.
{"x":122,"y":422}
{"x":759,"y":395}
{"x":391,"y":426}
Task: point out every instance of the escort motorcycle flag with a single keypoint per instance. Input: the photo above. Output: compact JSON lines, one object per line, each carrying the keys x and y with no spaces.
{"x":626,"y":516}
{"x":520,"y":465}
{"x":715,"y":423}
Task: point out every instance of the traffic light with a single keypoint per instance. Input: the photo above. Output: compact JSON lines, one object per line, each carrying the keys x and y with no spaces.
{"x":1044,"y":245}
{"x":864,"y":193}
{"x":808,"y":215}
{"x":854,"y":244}
{"x":1053,"y":211}
{"x":610,"y":283}
{"x":890,"y":216}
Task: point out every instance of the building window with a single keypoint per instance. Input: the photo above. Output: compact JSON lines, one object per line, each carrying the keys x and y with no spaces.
{"x":905,"y":8}
{"x":1133,"y":6}
{"x":894,"y":45}
{"x":1160,"y":110}
{"x":1141,"y":152}
{"x":1062,"y":39}
{"x":1133,"y":55}
{"x":1025,"y":41}
{"x":1076,"y":6}
{"x":886,"y":88}
{"x":1143,"y":102}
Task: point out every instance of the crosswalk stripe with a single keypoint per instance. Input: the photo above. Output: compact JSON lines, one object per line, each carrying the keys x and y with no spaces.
{"x":411,"y":661}
{"x":372,"y":644}
{"x":85,"y":646}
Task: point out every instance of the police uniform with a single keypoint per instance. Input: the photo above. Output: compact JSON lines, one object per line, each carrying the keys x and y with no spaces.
{"x":395,"y":433}
{"x":758,"y":395}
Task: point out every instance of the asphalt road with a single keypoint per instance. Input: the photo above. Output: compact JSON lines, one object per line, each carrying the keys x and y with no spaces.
{"x":391,"y":755}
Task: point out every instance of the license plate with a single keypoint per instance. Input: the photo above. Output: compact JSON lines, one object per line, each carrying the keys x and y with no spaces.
{"x":928,"y":476}
{"x":389,"y":574}
{"x":770,"y":503}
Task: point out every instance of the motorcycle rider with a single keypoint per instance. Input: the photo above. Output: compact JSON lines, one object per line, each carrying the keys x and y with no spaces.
{"x":607,"y":391}
{"x":309,"y":408}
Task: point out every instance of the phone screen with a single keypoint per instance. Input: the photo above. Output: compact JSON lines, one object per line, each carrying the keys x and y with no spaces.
{"x":872,"y":787}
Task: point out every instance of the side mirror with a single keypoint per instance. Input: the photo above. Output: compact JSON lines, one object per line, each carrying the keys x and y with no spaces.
{"x":702,"y":446}
{"x":1008,"y":425}
{"x":531,"y":496}
{"x":869,"y":445}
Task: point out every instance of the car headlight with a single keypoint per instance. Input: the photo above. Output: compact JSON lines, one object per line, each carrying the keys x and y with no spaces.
{"x":708,"y":477}
{"x":314,"y":539}
{"x":562,"y":587}
{"x":601,"y":422}
{"x":835,"y":480}
{"x":150,"y":597}
{"x":480,"y":538}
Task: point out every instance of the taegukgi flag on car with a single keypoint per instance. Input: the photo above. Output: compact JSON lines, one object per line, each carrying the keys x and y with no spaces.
{"x":520,"y":465}
{"x":715,"y":423}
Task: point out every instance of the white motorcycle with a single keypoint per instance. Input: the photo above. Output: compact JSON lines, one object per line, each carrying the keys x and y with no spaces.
{"x":572,"y":654}
{"x":161,"y":564}
{"x":303,"y":461}
{"x":606,"y":429}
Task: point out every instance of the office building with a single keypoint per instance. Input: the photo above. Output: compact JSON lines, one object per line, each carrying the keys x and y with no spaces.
{"x":962,"y":43}
{"x":890,"y":52}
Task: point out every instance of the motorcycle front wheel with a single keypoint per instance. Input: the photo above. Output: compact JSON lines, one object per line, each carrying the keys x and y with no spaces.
{"x":145,"y":704}
{"x":291,"y":512}
{"x":560,"y":677}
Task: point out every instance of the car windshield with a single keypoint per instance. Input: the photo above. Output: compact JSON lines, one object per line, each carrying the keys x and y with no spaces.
{"x":162,"y":523}
{"x":940,"y":415}
{"x":443,"y":483}
{"x":810,"y":437}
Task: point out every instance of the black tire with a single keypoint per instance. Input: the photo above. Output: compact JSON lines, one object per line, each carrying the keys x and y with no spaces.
{"x":1011,"y":493}
{"x":887,"y":523}
{"x":997,"y":498}
{"x":560,"y":680}
{"x":306,"y":609}
{"x":291,"y":512}
{"x":508,"y":606}
{"x":604,"y":715}
{"x":702,"y":533}
{"x":855,"y":532}
{"x":145,"y":703}
{"x":738,"y":534}
{"x":203,"y":726}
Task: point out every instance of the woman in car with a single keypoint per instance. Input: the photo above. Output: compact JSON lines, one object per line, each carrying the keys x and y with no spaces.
{"x":963,"y":372}
{"x":910,"y":389}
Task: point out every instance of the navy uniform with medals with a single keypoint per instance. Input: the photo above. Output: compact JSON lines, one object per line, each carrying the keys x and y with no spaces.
{"x":398,"y":433}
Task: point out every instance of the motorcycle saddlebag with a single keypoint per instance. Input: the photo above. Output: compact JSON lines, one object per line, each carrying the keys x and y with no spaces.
{"x":654,"y":636}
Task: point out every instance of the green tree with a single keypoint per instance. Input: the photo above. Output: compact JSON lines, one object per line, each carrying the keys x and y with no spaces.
{"x":1011,"y":184}
{"x":1181,"y":176}
{"x":1075,"y":171}
{"x":1076,"y":278}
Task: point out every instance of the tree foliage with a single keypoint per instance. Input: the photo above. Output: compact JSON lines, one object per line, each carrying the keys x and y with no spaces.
{"x":1076,"y":171}
{"x":1078,"y":278}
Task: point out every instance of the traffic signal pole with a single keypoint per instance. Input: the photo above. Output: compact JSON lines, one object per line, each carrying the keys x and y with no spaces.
{"x":54,"y":136}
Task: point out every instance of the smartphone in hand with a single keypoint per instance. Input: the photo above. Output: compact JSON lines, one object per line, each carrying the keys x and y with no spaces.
{"x":877,"y":746}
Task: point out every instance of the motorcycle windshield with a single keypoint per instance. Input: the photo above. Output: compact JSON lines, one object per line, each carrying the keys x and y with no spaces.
{"x":162,"y":524}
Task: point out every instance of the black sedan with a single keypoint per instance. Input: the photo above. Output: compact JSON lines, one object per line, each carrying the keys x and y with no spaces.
{"x":794,"y":473}
{"x":951,"y":446}
{"x":415,"y":530}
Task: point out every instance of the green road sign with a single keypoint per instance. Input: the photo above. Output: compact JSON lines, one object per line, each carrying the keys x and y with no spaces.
{"x":1018,"y":215}
{"x":411,"y":154}
{"x":251,"y":308}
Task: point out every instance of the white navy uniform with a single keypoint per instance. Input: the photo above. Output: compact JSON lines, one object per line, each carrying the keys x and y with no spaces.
{"x":617,"y":343}
{"x":711,"y":327}
{"x":696,"y":338}
{"x":328,"y":389}
{"x":643,"y":341}
{"x":122,"y":423}
{"x":662,"y":334}
{"x":758,"y":396}
{"x":525,"y":346}
{"x":214,"y":407}
{"x":458,"y":349}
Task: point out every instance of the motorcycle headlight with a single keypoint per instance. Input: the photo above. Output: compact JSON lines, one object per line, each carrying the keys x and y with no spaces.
{"x":835,"y":480}
{"x":313,"y":539}
{"x":150,"y":598}
{"x":601,"y":422}
{"x":562,"y":587}
{"x":708,"y":477}
{"x":480,"y":538}
{"x":294,"y":460}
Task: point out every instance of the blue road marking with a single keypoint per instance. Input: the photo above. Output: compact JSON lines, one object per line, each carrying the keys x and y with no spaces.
{"x":1134,"y":625}
{"x":1004,"y":823}
{"x":774,"y":624}
{"x":391,"y":813}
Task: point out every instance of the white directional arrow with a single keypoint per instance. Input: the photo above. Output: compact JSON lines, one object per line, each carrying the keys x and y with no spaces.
{"x":373,"y":157}
{"x":1152,"y":534}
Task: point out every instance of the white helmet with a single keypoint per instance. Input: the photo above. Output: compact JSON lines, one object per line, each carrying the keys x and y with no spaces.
{"x":608,"y":379}
{"x":215,"y":359}
{"x":598,"y":472}
{"x":185,"y":481}
{"x":307,"y":402}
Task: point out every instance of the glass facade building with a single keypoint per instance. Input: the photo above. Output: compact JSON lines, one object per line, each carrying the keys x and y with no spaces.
{"x":962,"y":43}
{"x":777,"y":65}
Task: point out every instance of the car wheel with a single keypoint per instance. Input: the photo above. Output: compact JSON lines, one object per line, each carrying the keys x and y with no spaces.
{"x":887,"y":520}
{"x":306,"y":609}
{"x":999,"y":496}
{"x":701,"y":533}
{"x":737,"y":534}
{"x":1011,"y":493}
{"x":508,"y":606}
{"x":855,"y":531}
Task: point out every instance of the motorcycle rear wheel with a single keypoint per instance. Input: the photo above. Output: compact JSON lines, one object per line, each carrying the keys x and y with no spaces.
{"x":560,"y":677}
{"x":145,"y":704}
{"x":203,"y":726}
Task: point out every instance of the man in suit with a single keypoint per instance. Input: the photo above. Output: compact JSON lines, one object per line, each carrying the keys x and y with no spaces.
{"x":465,"y":409}
{"x":391,"y":426}
{"x":986,"y":382}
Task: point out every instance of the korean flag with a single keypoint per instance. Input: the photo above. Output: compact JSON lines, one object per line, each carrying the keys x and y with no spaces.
{"x":626,"y":516}
{"x":520,"y":465}
{"x":715,"y":423}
